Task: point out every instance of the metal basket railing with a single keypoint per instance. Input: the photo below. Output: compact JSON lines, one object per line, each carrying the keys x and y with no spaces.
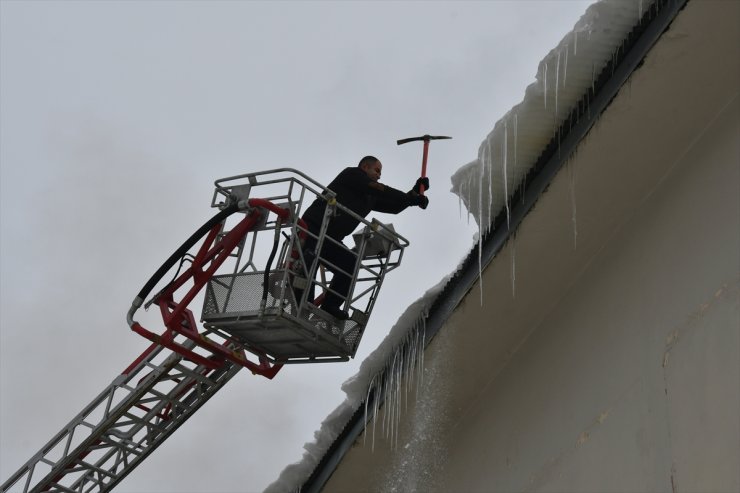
{"x":269,"y":296}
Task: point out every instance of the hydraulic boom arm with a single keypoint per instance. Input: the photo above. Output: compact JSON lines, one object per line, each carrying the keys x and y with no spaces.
{"x":256,"y":314}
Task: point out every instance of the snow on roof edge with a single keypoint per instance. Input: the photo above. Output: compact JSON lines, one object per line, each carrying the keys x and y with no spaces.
{"x":357,"y":388}
{"x":485,"y":185}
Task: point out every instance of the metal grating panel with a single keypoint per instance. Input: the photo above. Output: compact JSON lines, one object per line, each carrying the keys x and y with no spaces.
{"x":232,"y":304}
{"x":237,"y":293}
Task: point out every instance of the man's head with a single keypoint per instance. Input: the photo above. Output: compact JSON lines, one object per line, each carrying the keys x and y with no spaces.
{"x":371,"y":166}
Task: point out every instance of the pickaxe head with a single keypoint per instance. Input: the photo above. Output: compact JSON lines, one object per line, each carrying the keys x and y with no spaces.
{"x":425,"y":139}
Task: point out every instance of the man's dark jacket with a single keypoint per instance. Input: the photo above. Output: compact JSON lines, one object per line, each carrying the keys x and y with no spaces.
{"x":358,"y":193}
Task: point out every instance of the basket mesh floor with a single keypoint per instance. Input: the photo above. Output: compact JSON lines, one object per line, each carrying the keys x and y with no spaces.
{"x":232,"y":304}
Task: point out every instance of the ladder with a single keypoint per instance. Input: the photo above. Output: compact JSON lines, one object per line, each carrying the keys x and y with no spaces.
{"x":125,"y":423}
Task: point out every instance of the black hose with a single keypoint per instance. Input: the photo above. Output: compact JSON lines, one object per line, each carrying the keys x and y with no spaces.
{"x":266,"y":281}
{"x":180,"y":252}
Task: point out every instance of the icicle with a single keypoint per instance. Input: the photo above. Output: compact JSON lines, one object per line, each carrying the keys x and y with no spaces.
{"x":575,"y":43}
{"x":419,"y":370}
{"x":516,"y":138}
{"x":513,"y":266}
{"x":386,"y":411}
{"x":423,"y":346}
{"x":480,"y":193}
{"x":409,"y":375}
{"x":393,"y":406}
{"x":480,"y":232}
{"x":639,"y":10}
{"x":401,"y":374}
{"x":376,"y":409}
{"x":394,"y":399}
{"x":470,"y":195}
{"x":565,"y":71}
{"x":392,"y":385}
{"x":381,"y":392}
{"x":419,"y":349}
{"x":459,"y":205}
{"x":367,"y":401}
{"x":572,"y":187}
{"x":389,"y":404}
{"x":413,"y":354}
{"x":557,"y":85}
{"x":405,"y":367}
{"x":544,"y":78}
{"x":394,"y":402}
{"x":399,"y":381}
{"x":490,"y":186}
{"x":506,"y":178}
{"x":484,"y":166}
{"x":419,"y":361}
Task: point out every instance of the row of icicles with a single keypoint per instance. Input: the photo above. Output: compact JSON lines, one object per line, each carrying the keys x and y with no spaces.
{"x":510,"y":145}
{"x":403,"y":374}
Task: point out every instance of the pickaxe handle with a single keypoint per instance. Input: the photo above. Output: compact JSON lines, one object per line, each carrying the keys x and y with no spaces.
{"x":426,"y":139}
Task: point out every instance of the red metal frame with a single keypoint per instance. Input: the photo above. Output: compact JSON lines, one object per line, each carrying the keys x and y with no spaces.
{"x":178,"y":319}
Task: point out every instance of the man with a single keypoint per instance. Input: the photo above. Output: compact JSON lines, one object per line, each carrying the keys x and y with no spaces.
{"x":359,"y":190}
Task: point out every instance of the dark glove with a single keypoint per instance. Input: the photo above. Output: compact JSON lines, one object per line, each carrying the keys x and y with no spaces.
{"x":418,"y":200}
{"x":421,"y":181}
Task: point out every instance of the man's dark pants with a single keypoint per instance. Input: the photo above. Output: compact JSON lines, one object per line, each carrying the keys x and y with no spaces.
{"x":341,"y":259}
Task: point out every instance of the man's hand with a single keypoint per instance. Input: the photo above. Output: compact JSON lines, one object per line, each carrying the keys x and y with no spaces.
{"x":415,"y":197}
{"x":418,"y":200}
{"x":421,"y":181}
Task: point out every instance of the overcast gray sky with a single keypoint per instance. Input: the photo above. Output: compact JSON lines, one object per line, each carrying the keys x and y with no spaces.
{"x":116,"y":118}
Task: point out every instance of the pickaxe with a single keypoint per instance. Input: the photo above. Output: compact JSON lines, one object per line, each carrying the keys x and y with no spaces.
{"x":426,"y":139}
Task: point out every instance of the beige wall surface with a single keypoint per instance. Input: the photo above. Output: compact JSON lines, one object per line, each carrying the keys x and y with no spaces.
{"x":632,"y":382}
{"x":605,"y":355}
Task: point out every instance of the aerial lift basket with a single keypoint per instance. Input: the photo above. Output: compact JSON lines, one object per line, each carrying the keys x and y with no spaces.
{"x":262,"y":309}
{"x":272,"y":306}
